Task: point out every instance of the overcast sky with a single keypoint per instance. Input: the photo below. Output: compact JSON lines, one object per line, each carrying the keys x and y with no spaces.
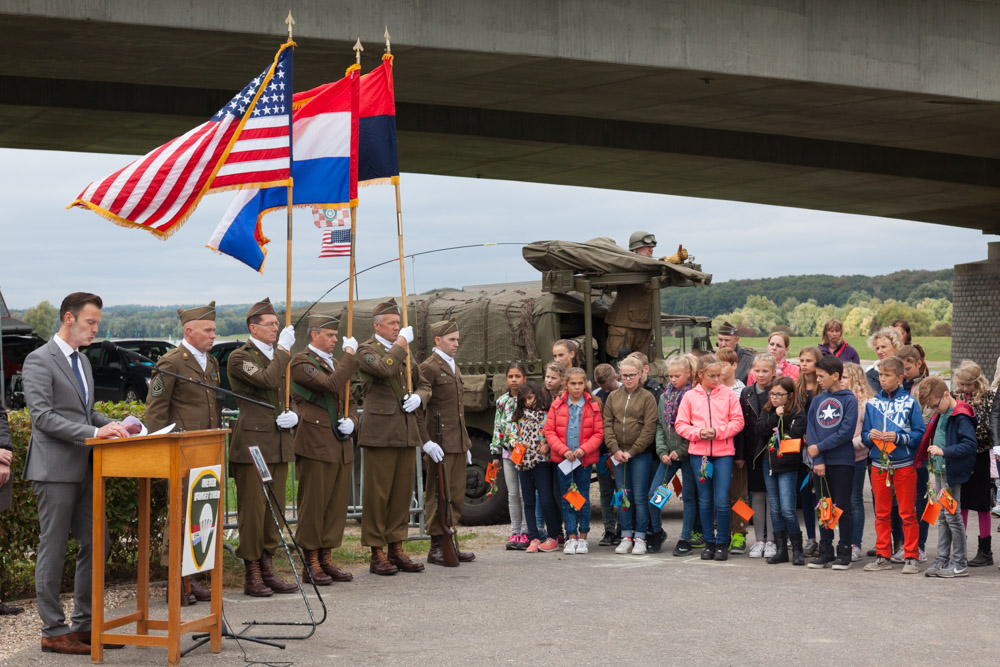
{"x":48,"y":251}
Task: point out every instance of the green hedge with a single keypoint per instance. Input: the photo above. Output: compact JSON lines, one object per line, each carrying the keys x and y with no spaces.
{"x":19,"y":525}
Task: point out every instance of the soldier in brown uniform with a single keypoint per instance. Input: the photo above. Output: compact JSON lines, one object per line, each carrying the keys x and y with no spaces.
{"x":189,"y":406}
{"x":455,"y":447}
{"x":324,"y":454}
{"x":258,"y":370}
{"x":391,"y":430}
{"x":628,"y":319}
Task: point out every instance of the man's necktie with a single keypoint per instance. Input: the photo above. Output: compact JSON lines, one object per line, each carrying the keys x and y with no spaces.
{"x":75,"y":357}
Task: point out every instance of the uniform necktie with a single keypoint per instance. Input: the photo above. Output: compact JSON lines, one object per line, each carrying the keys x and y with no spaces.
{"x":75,"y":357}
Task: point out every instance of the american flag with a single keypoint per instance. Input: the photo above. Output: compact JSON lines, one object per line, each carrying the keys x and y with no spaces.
{"x":245,"y":144}
{"x":336,"y":243}
{"x":331,"y":217}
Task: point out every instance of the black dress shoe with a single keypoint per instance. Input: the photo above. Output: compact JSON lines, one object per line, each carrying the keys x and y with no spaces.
{"x":607,"y":540}
{"x":708,"y":553}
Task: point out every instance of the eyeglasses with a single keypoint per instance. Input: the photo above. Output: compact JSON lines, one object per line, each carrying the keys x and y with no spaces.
{"x":269,"y":325}
{"x":629,"y":376}
{"x":778,"y":394}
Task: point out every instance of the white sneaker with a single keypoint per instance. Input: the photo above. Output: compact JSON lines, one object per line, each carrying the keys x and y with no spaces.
{"x":757,"y":550}
{"x":625,"y":546}
{"x":922,"y":557}
{"x":570,"y":547}
{"x":899,"y":556}
{"x":770,"y":549}
{"x":856,"y":554}
{"x":640,"y":547}
{"x":582,"y":547}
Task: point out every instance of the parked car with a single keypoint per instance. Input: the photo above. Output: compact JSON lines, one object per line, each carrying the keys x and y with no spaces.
{"x":117,"y":377}
{"x":17,"y":344}
{"x":221,"y":352}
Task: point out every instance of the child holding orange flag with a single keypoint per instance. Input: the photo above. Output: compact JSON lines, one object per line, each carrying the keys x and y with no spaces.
{"x":950,"y":447}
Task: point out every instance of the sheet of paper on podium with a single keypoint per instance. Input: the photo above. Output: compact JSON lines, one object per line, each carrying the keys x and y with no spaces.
{"x":201,"y":520}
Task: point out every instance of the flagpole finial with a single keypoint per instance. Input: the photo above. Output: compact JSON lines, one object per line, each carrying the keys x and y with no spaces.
{"x":357,"y":51}
{"x":289,"y":21}
{"x":388,"y":48}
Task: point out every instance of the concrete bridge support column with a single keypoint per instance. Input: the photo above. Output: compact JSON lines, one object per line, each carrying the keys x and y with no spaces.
{"x":976,"y":316}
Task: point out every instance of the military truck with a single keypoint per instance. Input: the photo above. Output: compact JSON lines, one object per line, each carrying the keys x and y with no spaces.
{"x":500,"y":323}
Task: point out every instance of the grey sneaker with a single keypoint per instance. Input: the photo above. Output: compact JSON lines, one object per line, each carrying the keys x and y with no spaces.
{"x":899,"y":556}
{"x":880,"y":563}
{"x":953,"y":571}
{"x":855,"y":553}
{"x":911,"y":567}
{"x":935,"y":569}
{"x":922,"y":557}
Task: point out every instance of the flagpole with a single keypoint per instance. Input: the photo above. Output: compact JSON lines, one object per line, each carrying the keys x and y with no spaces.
{"x":351,"y":278}
{"x":402,"y":263}
{"x":289,"y":21}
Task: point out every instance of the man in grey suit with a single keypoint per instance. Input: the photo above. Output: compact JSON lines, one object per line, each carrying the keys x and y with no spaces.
{"x":59,"y":391}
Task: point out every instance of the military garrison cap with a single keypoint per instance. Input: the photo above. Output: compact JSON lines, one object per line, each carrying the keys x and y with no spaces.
{"x":444,"y":327}
{"x":261,"y":308}
{"x":201,"y":313}
{"x":323,"y":322}
{"x":386,"y":308}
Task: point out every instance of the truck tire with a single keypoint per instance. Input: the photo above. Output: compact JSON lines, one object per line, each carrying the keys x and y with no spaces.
{"x":481,"y":509}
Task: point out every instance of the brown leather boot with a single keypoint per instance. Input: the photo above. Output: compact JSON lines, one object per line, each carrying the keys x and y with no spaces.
{"x":434,"y":555}
{"x":253,"y":585}
{"x":201,"y":593}
{"x":270,"y":579}
{"x":187,"y":597}
{"x":313,"y":568}
{"x":380,"y":564}
{"x":401,"y":560}
{"x":466,"y":556}
{"x":335,"y":572}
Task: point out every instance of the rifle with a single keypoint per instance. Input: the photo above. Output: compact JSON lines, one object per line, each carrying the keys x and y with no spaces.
{"x":449,"y":541}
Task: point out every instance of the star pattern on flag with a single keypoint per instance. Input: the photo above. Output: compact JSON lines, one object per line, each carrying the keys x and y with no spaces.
{"x":271,"y":102}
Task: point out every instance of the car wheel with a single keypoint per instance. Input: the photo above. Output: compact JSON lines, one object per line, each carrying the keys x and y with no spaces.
{"x":131,"y":395}
{"x":480,"y":508}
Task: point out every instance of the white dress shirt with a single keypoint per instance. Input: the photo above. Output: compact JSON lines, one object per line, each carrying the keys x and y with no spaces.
{"x":266,"y":350}
{"x":448,"y":359}
{"x":386,"y":344}
{"x":67,"y":350}
{"x":328,"y":358}
{"x":200,"y":357}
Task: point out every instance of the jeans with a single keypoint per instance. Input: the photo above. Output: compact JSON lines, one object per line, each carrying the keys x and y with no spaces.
{"x":689,"y":480}
{"x":511,"y":477}
{"x":808,"y":497}
{"x":633,"y":476}
{"x":904,"y":482}
{"x":840,"y":484}
{"x":858,"y":501}
{"x":781,"y":490}
{"x":951,"y":532}
{"x":576,"y":520}
{"x":606,"y":483}
{"x":538,"y":479}
{"x":713,"y":498}
{"x":540,"y":519}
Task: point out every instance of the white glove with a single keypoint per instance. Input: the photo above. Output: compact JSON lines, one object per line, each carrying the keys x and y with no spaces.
{"x":286,"y":338}
{"x":433,"y":450}
{"x":407,"y":333}
{"x":287,"y":419}
{"x":350,"y":345}
{"x":345,"y":426}
{"x":468,"y":458}
{"x":411,"y":402}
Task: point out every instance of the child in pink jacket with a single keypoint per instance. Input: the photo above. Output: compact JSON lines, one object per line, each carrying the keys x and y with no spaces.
{"x":709,"y":417}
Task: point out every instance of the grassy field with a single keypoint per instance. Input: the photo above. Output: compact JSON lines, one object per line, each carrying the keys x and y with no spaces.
{"x":936,"y":348}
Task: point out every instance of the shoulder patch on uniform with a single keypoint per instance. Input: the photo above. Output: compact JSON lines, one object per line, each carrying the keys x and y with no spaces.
{"x":250,"y":367}
{"x":370,"y":358}
{"x":156,"y":387}
{"x":311,"y":370}
{"x":388,"y":361}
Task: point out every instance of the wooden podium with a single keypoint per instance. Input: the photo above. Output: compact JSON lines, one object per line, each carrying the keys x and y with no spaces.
{"x":171,"y":457}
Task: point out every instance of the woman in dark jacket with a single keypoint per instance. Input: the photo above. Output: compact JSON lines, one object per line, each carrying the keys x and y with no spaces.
{"x":783,"y":419}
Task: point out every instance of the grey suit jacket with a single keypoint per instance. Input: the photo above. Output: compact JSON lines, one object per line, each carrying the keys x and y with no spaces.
{"x":60,"y":419}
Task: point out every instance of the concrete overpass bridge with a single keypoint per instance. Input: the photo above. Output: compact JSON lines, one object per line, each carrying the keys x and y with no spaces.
{"x":877,"y":107}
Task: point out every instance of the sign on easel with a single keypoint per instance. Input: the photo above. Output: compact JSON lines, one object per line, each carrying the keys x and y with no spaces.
{"x":201,"y":519}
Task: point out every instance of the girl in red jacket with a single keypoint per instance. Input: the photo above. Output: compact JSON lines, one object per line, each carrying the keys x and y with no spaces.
{"x":574,"y":431}
{"x":709,"y":417}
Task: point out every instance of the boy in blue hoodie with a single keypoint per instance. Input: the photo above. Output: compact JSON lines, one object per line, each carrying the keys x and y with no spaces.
{"x":949,"y":447}
{"x":833,"y":416}
{"x":893,"y":419}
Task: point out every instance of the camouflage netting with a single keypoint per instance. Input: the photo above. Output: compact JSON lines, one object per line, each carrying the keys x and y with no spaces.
{"x":497,"y":324}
